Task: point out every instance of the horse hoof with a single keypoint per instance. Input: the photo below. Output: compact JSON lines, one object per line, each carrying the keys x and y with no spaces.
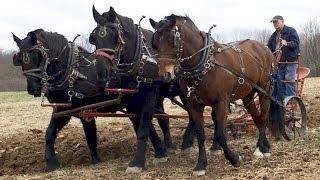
{"x":171,"y":148}
{"x":50,"y":168}
{"x":199,"y":173}
{"x":257,"y":153}
{"x":160,"y":160}
{"x":240,"y":159}
{"x":237,"y":163}
{"x":133,"y":170}
{"x":266,"y":154}
{"x":95,"y":161}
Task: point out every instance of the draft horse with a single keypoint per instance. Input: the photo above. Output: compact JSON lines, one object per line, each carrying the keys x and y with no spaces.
{"x":129,"y":45}
{"x":214,"y":74}
{"x":67,"y":73}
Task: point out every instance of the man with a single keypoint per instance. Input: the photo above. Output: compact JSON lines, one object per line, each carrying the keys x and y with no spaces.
{"x":286,"y":39}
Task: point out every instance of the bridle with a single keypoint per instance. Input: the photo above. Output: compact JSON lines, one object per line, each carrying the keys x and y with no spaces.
{"x":35,"y":72}
{"x":108,"y":53}
{"x":134,"y":68}
{"x":68,"y":76}
{"x":205,"y":64}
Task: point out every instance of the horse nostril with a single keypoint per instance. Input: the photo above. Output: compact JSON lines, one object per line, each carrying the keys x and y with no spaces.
{"x":167,"y":75}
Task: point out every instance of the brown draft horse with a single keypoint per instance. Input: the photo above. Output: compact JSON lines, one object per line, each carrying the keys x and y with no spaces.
{"x":213,"y":74}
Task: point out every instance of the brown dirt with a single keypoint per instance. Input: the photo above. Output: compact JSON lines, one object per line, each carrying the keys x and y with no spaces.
{"x":23,"y":127}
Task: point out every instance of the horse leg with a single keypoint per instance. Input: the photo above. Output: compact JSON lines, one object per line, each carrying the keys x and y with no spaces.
{"x":55,"y":125}
{"x":263,"y":146}
{"x":90,"y":131}
{"x":160,"y":151}
{"x":189,"y":133}
{"x":159,"y":147}
{"x":164,"y":125}
{"x":221,"y":110}
{"x":215,"y":147}
{"x":196,"y":112}
{"x":145,"y":117}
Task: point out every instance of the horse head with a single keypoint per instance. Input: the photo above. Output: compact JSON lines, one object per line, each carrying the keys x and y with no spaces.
{"x":31,"y":58}
{"x":174,"y":38}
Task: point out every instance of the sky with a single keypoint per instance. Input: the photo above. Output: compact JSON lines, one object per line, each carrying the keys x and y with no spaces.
{"x":72,"y":17}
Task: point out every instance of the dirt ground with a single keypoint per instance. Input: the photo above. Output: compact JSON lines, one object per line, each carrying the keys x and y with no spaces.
{"x":23,"y":123}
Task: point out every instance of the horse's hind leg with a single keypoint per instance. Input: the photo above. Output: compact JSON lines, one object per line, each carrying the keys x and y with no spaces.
{"x":215,"y":147}
{"x":90,"y":131}
{"x":221,"y":110}
{"x":56,"y":124}
{"x":263,"y":146}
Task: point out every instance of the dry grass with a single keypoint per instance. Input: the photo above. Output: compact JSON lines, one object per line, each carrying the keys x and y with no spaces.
{"x":23,"y":123}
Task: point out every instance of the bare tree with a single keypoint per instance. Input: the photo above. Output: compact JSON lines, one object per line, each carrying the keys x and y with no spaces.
{"x":83,"y":41}
{"x":310,"y":46}
{"x":11,"y":78}
{"x":262,"y":35}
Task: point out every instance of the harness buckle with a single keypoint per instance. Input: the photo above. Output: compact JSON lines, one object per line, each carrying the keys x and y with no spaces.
{"x":240,"y":80}
{"x":190,"y":90}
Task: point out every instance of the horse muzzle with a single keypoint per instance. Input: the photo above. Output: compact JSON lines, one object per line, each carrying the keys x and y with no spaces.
{"x":106,"y":53}
{"x":166,"y":69}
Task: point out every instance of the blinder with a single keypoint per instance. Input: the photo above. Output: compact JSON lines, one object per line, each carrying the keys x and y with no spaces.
{"x":120,"y":41}
{"x":16,"y":61}
{"x":26,"y":58}
{"x":102,"y":31}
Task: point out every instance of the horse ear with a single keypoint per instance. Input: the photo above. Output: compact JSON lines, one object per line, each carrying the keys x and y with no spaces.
{"x":92,"y":39}
{"x":16,"y":39}
{"x":96,"y":15}
{"x":112,"y":14}
{"x":172,"y":20}
{"x":33,"y":37}
{"x":153,"y":23}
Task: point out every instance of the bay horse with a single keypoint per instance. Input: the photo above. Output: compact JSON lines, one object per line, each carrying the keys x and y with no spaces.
{"x":48,"y":60}
{"x":127,"y":44}
{"x":214,"y":74}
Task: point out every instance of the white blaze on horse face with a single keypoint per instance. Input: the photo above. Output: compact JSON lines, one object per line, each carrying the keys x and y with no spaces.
{"x":166,"y":69}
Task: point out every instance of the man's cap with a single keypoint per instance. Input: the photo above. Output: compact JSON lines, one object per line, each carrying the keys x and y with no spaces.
{"x":276,"y":18}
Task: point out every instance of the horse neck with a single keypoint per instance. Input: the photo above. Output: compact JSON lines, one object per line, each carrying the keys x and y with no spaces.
{"x":129,"y":47}
{"x":192,"y":44}
{"x":60,"y":51}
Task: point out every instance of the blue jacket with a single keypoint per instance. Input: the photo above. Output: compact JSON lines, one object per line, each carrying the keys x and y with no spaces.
{"x":291,"y":51}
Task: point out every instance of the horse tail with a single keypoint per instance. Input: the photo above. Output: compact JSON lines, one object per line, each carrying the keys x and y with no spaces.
{"x":276,"y":114}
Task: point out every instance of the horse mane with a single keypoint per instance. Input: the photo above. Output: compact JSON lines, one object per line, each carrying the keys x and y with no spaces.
{"x":126,"y":22}
{"x":182,"y":18}
{"x":51,"y":40}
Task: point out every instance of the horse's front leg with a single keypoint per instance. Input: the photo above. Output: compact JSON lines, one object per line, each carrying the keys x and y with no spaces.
{"x":145,"y":116}
{"x":56,"y":124}
{"x":189,"y":133}
{"x":195,"y":111}
{"x":158,"y":146}
{"x":90,"y":131}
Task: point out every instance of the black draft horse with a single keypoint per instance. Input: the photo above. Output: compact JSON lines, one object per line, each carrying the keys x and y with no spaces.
{"x":124,"y":42}
{"x":69,"y":73}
